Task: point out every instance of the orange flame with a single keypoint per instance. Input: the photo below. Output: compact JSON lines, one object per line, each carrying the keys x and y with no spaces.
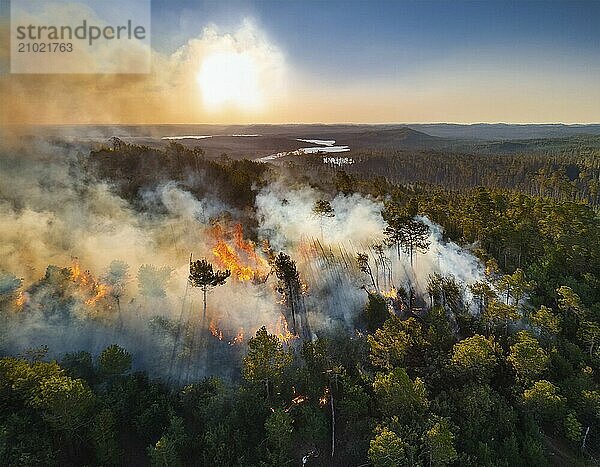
{"x":101,"y":290}
{"x":215,"y":331}
{"x":299,"y":399}
{"x":392,"y":293}
{"x":78,"y":276}
{"x":21,"y":299}
{"x":324,"y":399}
{"x":230,"y":260}
{"x":281,"y":330}
{"x":219,"y":334}
{"x":238,"y":339}
{"x":239,"y":256}
{"x":91,"y":287}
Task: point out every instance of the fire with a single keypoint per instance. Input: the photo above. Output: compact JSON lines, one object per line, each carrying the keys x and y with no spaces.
{"x":237,"y":339}
{"x":299,"y":399}
{"x":281,"y":330}
{"x":91,"y":287}
{"x":215,"y":331}
{"x":21,"y":299}
{"x":230,"y":260}
{"x":324,"y":399}
{"x":393,"y":293}
{"x":78,"y":276}
{"x":101,"y":290}
{"x":239,"y":256}
{"x":246,"y":245}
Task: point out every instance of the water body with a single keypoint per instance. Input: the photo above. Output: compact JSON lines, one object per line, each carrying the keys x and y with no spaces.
{"x":320,"y":142}
{"x":205,"y":136}
{"x":325,"y":146}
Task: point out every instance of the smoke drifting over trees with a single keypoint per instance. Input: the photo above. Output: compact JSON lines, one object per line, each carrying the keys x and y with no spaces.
{"x":321,"y":316}
{"x":90,"y":263}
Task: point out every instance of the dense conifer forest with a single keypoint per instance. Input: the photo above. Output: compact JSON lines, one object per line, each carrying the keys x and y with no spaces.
{"x":498,"y":371}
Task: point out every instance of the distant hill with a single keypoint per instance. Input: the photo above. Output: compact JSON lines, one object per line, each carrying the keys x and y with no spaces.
{"x":504,"y":131}
{"x":400,"y":138}
{"x":236,"y":140}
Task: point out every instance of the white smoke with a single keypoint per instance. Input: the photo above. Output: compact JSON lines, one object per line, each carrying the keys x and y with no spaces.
{"x":52,"y":212}
{"x":287,"y":220}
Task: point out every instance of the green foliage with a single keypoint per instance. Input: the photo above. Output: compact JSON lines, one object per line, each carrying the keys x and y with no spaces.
{"x":313,"y":424}
{"x":398,"y":395}
{"x":573,"y":429}
{"x":164,"y":453}
{"x":396,"y":343}
{"x":104,"y":435}
{"x":24,"y":441}
{"x":410,"y":235}
{"x":499,"y":315}
{"x":79,"y":365}
{"x":476,"y":356}
{"x":266,"y":360}
{"x":542,"y":242}
{"x":279,"y":437}
{"x":204,"y":276}
{"x":569,"y":302}
{"x":515,"y":286}
{"x":289,"y":287}
{"x":544,"y":399}
{"x":440,"y":442}
{"x":65,"y":402}
{"x":23,"y":378}
{"x":445,"y":292}
{"x":115,"y":360}
{"x":527,"y":358}
{"x":548,"y":322}
{"x":376,"y":312}
{"x":387,"y":450}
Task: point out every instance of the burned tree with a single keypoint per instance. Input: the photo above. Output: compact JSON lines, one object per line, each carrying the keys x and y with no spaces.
{"x":290,"y":288}
{"x":204,"y":276}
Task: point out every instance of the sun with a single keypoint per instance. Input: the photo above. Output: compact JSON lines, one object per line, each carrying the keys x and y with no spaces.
{"x":229,"y":79}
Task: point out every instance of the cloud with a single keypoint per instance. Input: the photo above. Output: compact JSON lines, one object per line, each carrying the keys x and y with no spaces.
{"x":170,"y":93}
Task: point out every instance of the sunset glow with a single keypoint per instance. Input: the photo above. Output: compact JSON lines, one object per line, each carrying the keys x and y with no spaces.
{"x":229,"y":79}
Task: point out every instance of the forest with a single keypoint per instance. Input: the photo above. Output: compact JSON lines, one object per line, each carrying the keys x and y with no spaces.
{"x":415,"y":308}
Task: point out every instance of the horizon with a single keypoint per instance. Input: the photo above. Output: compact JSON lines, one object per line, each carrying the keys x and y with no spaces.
{"x":248,"y":62}
{"x":308,"y":123}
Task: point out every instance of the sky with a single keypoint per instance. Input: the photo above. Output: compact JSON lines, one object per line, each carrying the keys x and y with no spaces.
{"x":343,"y":61}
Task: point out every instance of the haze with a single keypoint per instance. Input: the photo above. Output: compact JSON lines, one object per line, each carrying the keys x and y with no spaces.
{"x":282,"y":62}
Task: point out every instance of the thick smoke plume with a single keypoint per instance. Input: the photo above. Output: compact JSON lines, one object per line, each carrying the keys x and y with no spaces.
{"x":81,"y":269}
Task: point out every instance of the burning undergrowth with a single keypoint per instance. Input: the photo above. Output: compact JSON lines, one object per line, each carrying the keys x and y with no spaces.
{"x":82,"y":269}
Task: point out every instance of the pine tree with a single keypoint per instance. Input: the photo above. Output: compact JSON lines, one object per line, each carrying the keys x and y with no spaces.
{"x":204,"y":276}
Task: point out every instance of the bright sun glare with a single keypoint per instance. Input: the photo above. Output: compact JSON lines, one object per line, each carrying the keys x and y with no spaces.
{"x":229,"y":79}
